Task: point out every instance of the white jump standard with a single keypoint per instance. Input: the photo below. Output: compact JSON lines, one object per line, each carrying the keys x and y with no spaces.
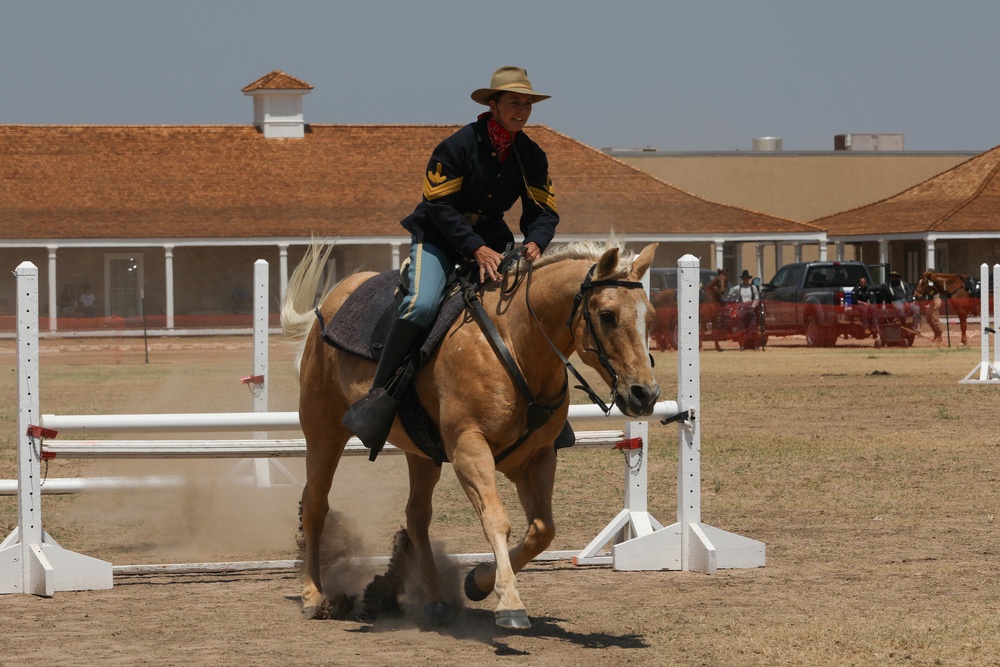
{"x":987,"y":372}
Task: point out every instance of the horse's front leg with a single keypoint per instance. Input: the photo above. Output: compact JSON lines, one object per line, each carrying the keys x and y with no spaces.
{"x":534,"y":488}
{"x":424,"y":476}
{"x":473,"y":463}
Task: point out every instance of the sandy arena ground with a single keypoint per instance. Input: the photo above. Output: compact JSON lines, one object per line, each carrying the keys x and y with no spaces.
{"x":871,"y":475}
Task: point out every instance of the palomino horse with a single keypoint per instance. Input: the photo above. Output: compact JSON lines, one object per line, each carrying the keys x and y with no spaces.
{"x":584,"y":299}
{"x":954,"y":295}
{"x":713,"y":296}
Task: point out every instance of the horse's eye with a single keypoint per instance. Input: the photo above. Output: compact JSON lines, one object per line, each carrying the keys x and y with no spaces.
{"x":607,"y":317}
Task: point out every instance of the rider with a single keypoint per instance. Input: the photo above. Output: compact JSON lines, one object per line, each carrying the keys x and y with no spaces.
{"x":473,"y":177}
{"x":862,"y":296}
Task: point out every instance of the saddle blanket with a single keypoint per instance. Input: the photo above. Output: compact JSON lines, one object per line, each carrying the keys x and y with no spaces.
{"x":353,"y":326}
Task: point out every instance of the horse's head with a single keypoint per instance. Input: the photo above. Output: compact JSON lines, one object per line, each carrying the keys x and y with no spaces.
{"x":715,"y":290}
{"x":612,"y":327}
{"x":925,"y":286}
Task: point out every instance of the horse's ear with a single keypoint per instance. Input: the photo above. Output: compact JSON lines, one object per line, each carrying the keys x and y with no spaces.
{"x":608,"y":262}
{"x":643,"y":261}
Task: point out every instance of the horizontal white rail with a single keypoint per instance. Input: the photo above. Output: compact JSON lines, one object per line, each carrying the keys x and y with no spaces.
{"x":205,"y":422}
{"x":226,"y":449}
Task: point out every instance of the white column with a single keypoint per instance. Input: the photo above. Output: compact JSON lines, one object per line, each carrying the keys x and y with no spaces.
{"x":883,"y":251}
{"x":395,"y":256}
{"x":839,"y":250}
{"x":719,"y":256}
{"x":931,"y":261}
{"x":282,"y":270}
{"x":168,"y":263}
{"x":798,"y":251}
{"x":53,"y":290}
{"x":760,"y":261}
{"x":822,"y":250}
{"x":779,"y":256}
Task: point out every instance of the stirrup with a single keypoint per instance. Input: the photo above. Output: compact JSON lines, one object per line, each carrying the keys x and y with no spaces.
{"x":370,"y":419}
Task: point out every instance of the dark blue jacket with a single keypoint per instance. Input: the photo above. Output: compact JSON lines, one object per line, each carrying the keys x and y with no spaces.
{"x":467,"y":191}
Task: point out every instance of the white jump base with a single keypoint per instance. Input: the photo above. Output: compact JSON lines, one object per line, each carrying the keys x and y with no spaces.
{"x":31,"y":561}
{"x":987,"y":372}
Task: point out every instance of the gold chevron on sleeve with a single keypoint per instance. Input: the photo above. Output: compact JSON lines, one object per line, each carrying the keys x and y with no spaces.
{"x":436,"y":177}
{"x":443,"y":189}
{"x":545,"y":196}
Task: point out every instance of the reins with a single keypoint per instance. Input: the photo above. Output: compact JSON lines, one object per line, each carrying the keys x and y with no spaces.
{"x":537,"y":413}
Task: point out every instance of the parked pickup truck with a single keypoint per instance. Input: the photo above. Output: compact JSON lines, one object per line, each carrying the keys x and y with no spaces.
{"x":814,"y":299}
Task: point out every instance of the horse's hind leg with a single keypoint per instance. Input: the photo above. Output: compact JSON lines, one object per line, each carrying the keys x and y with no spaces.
{"x":325,"y":445}
{"x":424,"y":476}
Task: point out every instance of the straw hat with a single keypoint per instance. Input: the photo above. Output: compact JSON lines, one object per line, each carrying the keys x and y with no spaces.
{"x":508,"y":80}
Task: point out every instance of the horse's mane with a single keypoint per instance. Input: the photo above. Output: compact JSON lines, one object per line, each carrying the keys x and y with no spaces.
{"x":589,"y":250}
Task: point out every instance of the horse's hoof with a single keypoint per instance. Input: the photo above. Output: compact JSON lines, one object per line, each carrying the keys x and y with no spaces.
{"x":314,"y":612}
{"x":472,"y":591}
{"x":439,"y":614}
{"x":512,"y":619}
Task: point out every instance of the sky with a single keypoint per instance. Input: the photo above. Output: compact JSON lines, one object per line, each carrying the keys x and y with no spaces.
{"x":693,"y":75}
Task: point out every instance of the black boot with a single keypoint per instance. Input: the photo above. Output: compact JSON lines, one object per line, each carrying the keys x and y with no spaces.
{"x":371,"y":418}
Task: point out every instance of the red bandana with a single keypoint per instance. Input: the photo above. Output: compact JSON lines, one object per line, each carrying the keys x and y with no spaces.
{"x":501,"y":139}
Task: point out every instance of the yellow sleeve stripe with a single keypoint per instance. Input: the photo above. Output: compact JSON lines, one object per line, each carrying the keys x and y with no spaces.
{"x":432,"y":192}
{"x":544,"y":197}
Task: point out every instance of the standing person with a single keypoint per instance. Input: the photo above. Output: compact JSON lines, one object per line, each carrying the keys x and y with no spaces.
{"x":473,"y":177}
{"x":68,"y":302}
{"x":747,"y":295}
{"x":88,"y":301}
{"x":928,"y":305}
{"x":899,"y":294}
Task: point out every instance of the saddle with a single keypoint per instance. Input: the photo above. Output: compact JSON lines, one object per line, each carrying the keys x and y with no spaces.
{"x":360,"y":327}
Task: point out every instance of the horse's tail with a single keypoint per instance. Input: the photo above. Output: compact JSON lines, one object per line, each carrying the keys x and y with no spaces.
{"x":300,"y":300}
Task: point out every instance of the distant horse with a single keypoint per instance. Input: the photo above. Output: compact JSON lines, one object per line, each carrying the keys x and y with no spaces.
{"x":584,"y":298}
{"x":954,"y":294}
{"x":664,"y":330}
{"x":712,"y":309}
{"x":711,"y":298}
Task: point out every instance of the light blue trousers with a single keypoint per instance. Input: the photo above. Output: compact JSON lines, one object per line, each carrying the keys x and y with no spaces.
{"x":425,"y":281}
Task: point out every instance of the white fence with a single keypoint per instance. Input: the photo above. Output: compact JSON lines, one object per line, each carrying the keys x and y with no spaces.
{"x":32,"y":562}
{"x":987,"y":372}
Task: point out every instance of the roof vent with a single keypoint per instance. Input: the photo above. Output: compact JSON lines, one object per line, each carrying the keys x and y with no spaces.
{"x":869,"y":142}
{"x":767,"y":144}
{"x":277,"y":105}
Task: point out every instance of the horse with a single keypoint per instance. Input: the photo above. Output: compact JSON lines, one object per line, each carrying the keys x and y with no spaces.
{"x":664,"y":329}
{"x":712,"y":308}
{"x":583,"y":297}
{"x":954,"y":294}
{"x":712,"y":299}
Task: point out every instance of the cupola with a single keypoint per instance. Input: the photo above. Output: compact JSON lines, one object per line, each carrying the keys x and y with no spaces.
{"x":277,"y":105}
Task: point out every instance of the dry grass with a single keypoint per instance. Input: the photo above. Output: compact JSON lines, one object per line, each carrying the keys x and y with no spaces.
{"x":876,"y":495}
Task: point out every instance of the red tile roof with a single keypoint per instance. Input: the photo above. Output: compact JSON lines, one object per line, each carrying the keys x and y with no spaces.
{"x":351,"y":180}
{"x":277,"y":80}
{"x":966,"y":198}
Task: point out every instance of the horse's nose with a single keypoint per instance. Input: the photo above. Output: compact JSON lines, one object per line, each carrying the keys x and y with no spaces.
{"x":644,"y":396}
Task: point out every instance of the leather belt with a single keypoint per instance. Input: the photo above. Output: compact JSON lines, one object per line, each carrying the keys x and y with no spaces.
{"x":476,"y":218}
